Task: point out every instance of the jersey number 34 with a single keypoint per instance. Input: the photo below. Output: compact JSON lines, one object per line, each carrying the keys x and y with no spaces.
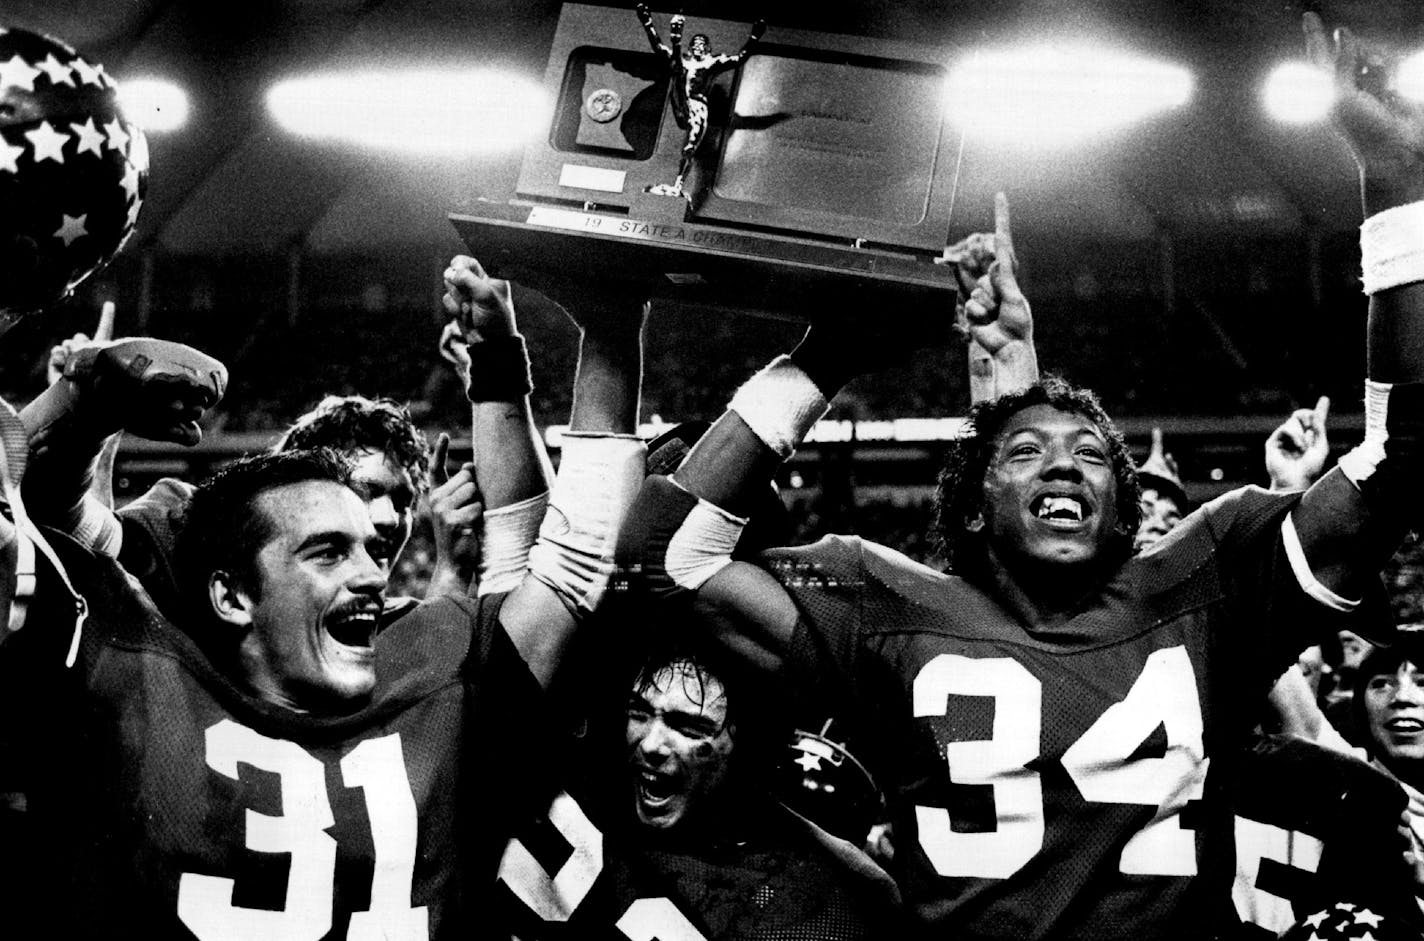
{"x":1100,"y":762}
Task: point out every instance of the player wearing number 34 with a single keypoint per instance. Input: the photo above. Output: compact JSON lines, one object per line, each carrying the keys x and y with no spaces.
{"x":1055,"y":722}
{"x":271,"y":768}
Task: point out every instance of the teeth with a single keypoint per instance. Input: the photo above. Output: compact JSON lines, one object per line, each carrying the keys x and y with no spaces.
{"x":1060,"y":508}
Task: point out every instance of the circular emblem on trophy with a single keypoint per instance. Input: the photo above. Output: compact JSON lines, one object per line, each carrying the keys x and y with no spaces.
{"x":604,"y":105}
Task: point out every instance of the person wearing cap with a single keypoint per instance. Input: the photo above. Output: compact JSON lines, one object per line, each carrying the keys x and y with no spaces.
{"x":1164,"y":499}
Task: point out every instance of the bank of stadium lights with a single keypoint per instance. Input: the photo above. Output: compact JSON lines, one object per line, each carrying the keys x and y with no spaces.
{"x":1053,"y":95}
{"x":154,"y":104}
{"x":1299,"y":93}
{"x":434,"y":112}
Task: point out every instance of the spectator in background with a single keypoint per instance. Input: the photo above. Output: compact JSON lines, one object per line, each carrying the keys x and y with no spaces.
{"x":1389,"y":707}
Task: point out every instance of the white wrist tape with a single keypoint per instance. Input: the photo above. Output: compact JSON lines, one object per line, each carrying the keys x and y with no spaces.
{"x":506,"y":536}
{"x":1361,"y":462}
{"x":599,"y":475}
{"x":780,"y":404}
{"x":702,"y":545}
{"x":1392,"y":247}
{"x":94,"y":525}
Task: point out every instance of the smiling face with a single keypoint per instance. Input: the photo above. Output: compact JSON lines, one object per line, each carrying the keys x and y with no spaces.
{"x":1394,"y":714}
{"x":390,"y":499}
{"x":311,"y":617}
{"x":679,"y":745}
{"x":1160,"y":515}
{"x":1049,"y":494}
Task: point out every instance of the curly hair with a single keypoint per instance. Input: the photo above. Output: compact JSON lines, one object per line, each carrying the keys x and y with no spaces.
{"x":960,"y":492}
{"x":356,"y":423}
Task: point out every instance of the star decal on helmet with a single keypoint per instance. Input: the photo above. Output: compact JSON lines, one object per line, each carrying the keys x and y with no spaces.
{"x":48,"y":143}
{"x":90,"y":138}
{"x":58,"y":72}
{"x":17,"y":73}
{"x":72,"y":228}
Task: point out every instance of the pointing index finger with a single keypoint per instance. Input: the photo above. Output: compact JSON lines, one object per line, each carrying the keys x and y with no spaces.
{"x":439,"y":472}
{"x":105,"y":331}
{"x":1003,"y":235}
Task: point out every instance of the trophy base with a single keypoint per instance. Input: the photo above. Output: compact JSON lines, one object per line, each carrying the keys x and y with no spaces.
{"x":756,"y":273}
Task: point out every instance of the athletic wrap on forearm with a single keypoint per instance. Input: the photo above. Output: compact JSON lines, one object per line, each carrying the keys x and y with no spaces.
{"x":599,"y":475}
{"x":674,"y":541}
{"x":1386,"y":464}
{"x":780,"y":404}
{"x":506,"y":536}
{"x":1392,"y":248}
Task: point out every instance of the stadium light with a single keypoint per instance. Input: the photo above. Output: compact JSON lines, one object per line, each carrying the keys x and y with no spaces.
{"x":417,"y":111}
{"x":1409,"y":79}
{"x":1048,"y":96}
{"x":1297,"y":93}
{"x":154,"y":104}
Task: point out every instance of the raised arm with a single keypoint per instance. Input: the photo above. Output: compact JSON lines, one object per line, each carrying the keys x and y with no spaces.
{"x":1351,"y":521}
{"x":155,"y":389}
{"x":645,"y":17}
{"x":599,"y":473}
{"x":683,"y":529}
{"x":510,"y":472}
{"x":991,"y":312}
{"x":722,"y":62}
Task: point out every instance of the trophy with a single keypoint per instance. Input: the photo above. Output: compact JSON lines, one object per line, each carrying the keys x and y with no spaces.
{"x":808,"y":172}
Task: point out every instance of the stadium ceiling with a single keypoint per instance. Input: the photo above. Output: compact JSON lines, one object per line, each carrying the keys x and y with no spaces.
{"x":233,"y":182}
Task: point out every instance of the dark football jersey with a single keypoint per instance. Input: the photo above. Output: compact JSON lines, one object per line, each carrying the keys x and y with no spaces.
{"x":174,"y":805}
{"x":584,"y":870}
{"x":1313,"y":825}
{"x":1059,"y":780}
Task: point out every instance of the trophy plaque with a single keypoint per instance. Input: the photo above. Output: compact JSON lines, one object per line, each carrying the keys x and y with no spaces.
{"x":822,"y":176}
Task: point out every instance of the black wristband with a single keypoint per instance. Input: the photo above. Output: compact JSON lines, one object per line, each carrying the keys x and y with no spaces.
{"x":499,"y":370}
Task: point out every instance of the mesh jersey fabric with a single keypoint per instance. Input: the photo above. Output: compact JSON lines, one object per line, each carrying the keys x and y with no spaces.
{"x":171,"y":804}
{"x":582,"y":869}
{"x":1313,"y":824}
{"x":1052,"y":781}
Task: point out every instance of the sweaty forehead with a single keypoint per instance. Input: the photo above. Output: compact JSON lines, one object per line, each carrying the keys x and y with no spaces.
{"x":678,"y":688}
{"x":1046,"y":420}
{"x":300,"y":509}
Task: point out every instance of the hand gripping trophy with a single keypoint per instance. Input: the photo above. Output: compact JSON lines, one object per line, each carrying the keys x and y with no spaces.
{"x":693,"y":69}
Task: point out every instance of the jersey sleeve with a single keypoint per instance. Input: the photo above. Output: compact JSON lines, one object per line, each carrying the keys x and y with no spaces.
{"x":826,"y":582}
{"x":150,"y":527}
{"x":1245,"y":534}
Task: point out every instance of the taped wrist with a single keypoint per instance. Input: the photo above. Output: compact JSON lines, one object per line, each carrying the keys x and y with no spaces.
{"x":499,"y":370}
{"x":780,"y":404}
{"x":599,"y":475}
{"x":96,"y":527}
{"x":506,"y":536}
{"x":1385,"y":466}
{"x":1392,"y":248}
{"x":702,"y":545}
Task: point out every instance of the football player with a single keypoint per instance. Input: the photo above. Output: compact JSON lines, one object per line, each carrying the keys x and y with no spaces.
{"x":272,"y":768}
{"x":391,"y":464}
{"x":1045,"y":719}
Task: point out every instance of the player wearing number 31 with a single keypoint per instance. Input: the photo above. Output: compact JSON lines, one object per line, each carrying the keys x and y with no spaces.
{"x":272,"y":769}
{"x":1054,"y":723}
